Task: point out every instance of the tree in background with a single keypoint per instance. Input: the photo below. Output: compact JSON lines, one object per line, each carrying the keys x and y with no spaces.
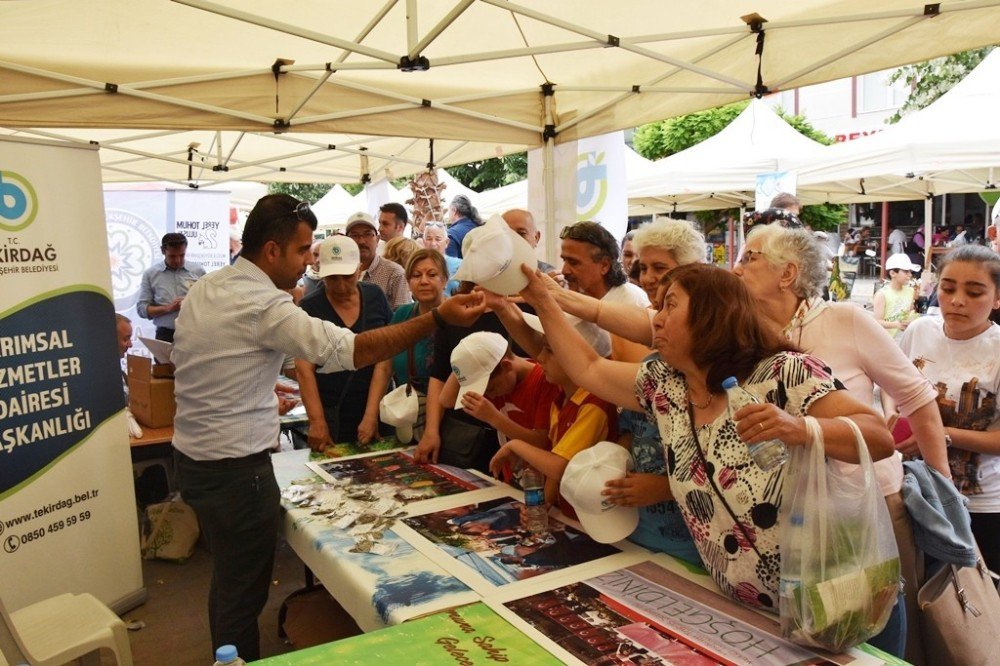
{"x":311,"y":192}
{"x":666,"y":137}
{"x":930,"y":79}
{"x":492,"y":173}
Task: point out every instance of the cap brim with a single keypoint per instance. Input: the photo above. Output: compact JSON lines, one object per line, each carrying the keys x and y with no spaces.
{"x":475,"y":386}
{"x":404,"y":434}
{"x":340,"y":269}
{"x":609,"y":526}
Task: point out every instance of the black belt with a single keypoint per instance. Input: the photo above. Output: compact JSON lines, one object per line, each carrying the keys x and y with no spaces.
{"x":229,"y":463}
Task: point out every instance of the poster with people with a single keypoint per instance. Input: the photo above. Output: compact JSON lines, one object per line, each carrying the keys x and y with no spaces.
{"x":493,"y":548}
{"x":67,"y":502}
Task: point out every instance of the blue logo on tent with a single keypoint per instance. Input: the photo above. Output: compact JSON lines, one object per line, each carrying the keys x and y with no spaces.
{"x":18,"y":201}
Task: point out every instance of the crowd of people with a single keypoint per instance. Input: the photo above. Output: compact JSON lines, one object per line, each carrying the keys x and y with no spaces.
{"x":584,"y":354}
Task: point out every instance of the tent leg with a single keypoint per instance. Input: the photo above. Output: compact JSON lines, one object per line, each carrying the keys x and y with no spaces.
{"x":928,"y":229}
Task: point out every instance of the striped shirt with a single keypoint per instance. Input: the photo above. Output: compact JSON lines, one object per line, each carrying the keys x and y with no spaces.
{"x":391,"y":278}
{"x":233,"y":334}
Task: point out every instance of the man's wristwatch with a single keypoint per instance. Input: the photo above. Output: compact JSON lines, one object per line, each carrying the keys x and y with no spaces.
{"x":438,"y":319}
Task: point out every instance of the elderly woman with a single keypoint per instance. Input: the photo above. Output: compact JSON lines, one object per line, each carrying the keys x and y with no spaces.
{"x":730,"y":505}
{"x":436,"y":238}
{"x":343,"y":406}
{"x":659,"y":247}
{"x":784,"y":271}
{"x":427,"y":275}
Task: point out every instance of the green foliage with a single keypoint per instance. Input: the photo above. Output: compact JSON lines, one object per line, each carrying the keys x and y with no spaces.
{"x":311,"y":192}
{"x":666,"y":137}
{"x":492,"y":173}
{"x":930,"y":79}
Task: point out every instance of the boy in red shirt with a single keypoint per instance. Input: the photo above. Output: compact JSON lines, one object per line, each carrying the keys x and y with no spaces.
{"x":507,"y":392}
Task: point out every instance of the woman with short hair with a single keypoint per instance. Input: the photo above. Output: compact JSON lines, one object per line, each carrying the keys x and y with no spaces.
{"x":426,"y":275}
{"x":785,"y":271}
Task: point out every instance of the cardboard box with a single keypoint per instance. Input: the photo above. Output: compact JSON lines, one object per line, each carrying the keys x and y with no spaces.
{"x":150,"y":398}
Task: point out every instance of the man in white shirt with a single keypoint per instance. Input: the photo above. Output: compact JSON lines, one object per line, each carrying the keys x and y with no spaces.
{"x":233,"y":334}
{"x":896,"y":240}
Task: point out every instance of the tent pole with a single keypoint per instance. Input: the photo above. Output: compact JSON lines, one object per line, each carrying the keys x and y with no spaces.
{"x":928,"y":228}
{"x":549,"y":182}
{"x":885,"y":236}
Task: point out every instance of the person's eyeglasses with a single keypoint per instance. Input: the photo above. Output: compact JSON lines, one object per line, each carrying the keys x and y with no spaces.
{"x":367,"y":233}
{"x":304,"y":212}
{"x":748,"y":256}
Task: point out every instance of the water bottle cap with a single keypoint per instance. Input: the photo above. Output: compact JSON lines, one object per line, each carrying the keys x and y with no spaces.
{"x":226,"y":653}
{"x":729,"y":382}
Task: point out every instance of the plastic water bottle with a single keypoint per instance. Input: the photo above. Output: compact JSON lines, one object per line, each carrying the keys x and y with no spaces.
{"x":768,"y":455}
{"x":227,"y":656}
{"x":536,"y":515}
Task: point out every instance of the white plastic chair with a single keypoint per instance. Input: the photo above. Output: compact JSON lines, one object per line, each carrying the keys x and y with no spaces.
{"x":60,"y":629}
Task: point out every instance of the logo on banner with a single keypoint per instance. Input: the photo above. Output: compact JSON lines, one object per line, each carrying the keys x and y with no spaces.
{"x":591,"y":184}
{"x":133,"y":245}
{"x":18,"y":201}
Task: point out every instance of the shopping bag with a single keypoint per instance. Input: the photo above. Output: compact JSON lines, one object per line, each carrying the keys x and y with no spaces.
{"x":170,"y":531}
{"x":840,"y":573}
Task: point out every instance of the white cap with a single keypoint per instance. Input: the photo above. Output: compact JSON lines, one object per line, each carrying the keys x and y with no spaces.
{"x":338,"y":255}
{"x":360,"y":218}
{"x":900,"y":261}
{"x":492,"y":255}
{"x":474,"y":359}
{"x":400,"y":408}
{"x":582,"y":484}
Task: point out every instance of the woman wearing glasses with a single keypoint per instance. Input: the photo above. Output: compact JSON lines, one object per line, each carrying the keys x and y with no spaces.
{"x":436,"y":238}
{"x":785,"y":271}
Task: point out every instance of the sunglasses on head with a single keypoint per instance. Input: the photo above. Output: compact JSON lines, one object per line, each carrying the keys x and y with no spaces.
{"x":305,"y":214}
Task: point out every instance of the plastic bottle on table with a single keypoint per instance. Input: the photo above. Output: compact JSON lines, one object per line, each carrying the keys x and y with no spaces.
{"x":228,"y":656}
{"x":768,"y":455}
{"x":536,"y":514}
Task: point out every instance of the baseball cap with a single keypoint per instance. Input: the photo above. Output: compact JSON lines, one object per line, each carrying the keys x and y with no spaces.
{"x":360,"y":218}
{"x":900,"y":261}
{"x":582,"y":483}
{"x":492,"y":255}
{"x":400,"y":408}
{"x":338,"y":255}
{"x":474,"y":359}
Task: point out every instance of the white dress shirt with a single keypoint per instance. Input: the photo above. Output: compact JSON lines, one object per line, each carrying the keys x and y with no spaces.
{"x":233,"y":334}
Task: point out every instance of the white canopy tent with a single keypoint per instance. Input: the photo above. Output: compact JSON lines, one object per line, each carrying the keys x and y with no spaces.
{"x":721,"y":171}
{"x":303,"y":86}
{"x":951,"y":146}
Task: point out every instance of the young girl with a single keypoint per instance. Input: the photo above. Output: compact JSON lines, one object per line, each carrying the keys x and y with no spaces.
{"x":893,"y":304}
{"x":960,"y":354}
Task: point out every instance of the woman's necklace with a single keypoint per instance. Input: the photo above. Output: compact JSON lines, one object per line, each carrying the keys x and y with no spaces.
{"x":711,"y":396}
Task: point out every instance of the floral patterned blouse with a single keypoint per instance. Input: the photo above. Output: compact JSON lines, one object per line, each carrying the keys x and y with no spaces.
{"x":789,"y":380}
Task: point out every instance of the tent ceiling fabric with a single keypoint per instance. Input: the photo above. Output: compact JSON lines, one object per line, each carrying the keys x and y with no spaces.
{"x":339,"y":68}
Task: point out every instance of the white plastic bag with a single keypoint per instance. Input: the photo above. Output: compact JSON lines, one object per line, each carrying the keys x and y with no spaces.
{"x":839,"y":562}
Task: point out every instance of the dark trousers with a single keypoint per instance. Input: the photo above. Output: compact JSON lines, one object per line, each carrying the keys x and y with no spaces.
{"x":986,"y":529}
{"x":165,"y":334}
{"x":237,"y":503}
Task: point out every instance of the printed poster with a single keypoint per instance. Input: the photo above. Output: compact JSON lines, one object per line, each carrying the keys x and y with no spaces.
{"x":491,"y":548}
{"x":67,"y":501}
{"x":645,"y":614}
{"x":396,"y":475}
{"x":471,"y":635}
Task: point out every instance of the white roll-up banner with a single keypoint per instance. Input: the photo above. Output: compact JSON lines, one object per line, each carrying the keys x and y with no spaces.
{"x":67,"y":501}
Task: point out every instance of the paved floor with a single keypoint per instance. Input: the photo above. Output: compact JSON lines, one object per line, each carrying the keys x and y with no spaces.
{"x":176,"y":612}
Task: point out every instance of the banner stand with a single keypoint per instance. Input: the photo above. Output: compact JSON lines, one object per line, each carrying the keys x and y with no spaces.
{"x":67,"y":499}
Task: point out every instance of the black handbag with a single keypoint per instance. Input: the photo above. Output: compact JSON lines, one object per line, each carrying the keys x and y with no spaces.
{"x":465,"y":444}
